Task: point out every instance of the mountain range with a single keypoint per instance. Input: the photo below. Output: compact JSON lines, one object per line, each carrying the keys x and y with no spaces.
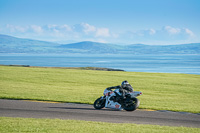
{"x":9,"y":44}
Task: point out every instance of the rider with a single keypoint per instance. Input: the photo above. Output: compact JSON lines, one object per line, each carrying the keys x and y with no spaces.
{"x":123,"y":89}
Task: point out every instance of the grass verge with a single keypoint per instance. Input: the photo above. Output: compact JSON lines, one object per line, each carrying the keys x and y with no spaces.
{"x":8,"y":125}
{"x":161,"y":91}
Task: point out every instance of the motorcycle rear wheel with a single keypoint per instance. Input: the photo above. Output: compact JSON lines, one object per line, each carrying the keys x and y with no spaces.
{"x":99,"y":103}
{"x":132,"y":106}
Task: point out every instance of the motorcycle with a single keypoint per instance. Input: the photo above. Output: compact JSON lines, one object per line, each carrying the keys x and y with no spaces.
{"x":112,"y":99}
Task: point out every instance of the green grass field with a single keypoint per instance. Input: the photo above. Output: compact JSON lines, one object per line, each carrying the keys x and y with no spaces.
{"x":9,"y":125}
{"x":161,"y":91}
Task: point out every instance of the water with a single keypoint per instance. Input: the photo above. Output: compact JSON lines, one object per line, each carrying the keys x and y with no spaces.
{"x":189,"y":64}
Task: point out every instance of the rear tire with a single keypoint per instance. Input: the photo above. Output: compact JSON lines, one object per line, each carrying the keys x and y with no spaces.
{"x":132,"y":106}
{"x":99,"y":103}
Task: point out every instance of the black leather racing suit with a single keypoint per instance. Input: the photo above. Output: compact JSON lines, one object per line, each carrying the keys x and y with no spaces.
{"x":123,"y":91}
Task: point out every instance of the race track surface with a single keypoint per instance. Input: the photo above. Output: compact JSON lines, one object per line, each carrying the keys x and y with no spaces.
{"x":31,"y":109}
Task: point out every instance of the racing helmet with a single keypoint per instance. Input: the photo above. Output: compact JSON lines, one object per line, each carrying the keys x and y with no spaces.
{"x":124,"y":84}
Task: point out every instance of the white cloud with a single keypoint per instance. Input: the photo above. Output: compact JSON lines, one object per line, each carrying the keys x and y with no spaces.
{"x":36,"y":28}
{"x":13,"y":28}
{"x":165,"y":35}
{"x":172,"y":30}
{"x":82,"y":31}
{"x":189,"y":32}
{"x":152,"y":31}
{"x":102,"y":32}
{"x":87,"y":32}
{"x":53,"y":27}
{"x":66,"y":27}
{"x":88,"y":28}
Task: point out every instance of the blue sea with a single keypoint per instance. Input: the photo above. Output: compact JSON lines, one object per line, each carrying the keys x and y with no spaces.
{"x":189,"y":64}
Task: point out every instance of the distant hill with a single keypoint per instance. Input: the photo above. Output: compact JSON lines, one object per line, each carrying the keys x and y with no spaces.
{"x":91,"y":47}
{"x":193,"y":48}
{"x":9,"y":44}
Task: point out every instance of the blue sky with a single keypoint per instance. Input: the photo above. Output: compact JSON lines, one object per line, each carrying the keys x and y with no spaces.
{"x":155,"y":22}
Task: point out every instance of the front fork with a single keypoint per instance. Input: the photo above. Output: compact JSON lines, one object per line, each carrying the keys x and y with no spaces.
{"x":102,"y":97}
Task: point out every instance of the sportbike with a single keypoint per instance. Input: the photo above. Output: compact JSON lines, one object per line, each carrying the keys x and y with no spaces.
{"x":112,"y":99}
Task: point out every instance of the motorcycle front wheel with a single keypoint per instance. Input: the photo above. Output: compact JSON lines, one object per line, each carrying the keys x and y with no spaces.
{"x":132,"y":106}
{"x":99,"y":103}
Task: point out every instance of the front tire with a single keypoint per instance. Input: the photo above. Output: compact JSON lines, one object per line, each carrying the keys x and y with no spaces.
{"x":132,"y":106}
{"x":99,"y":103}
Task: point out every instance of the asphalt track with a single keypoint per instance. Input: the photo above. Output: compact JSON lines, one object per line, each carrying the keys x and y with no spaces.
{"x":33,"y":109}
